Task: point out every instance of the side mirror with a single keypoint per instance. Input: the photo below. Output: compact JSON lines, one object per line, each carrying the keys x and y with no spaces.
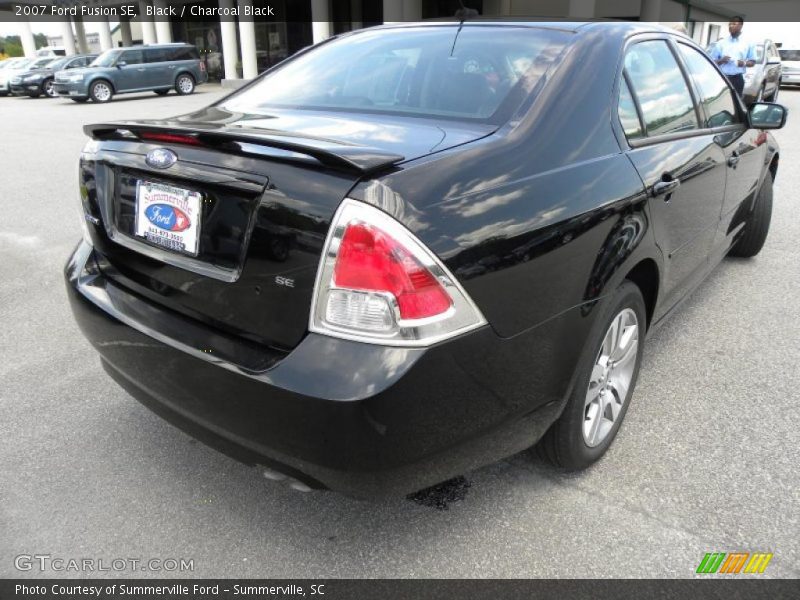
{"x":121,"y":63}
{"x":766,"y":115}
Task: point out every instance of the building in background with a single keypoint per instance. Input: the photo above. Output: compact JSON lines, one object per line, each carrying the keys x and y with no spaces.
{"x":241,"y":48}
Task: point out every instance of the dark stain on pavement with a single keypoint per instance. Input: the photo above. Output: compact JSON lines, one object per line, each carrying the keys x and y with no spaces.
{"x":442,"y":495}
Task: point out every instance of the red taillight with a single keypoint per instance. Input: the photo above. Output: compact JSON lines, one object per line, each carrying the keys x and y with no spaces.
{"x":377,"y":283}
{"x":169,"y":138}
{"x":370,"y":260}
{"x":202,"y":66}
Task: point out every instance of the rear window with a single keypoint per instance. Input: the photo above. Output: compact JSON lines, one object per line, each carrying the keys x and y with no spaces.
{"x":789,"y":54}
{"x":478,"y":72}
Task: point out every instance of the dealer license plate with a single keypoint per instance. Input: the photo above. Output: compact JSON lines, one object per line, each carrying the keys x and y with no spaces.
{"x":168,"y":216}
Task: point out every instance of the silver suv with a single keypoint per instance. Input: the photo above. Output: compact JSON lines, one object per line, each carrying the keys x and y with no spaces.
{"x":762,"y":81}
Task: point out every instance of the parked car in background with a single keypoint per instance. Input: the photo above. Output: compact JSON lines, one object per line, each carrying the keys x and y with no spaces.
{"x":790,"y":62}
{"x":37,"y":81}
{"x":51,"y":51}
{"x":418,"y":249}
{"x":159,"y":68}
{"x":9,"y":70}
{"x":763,"y":80}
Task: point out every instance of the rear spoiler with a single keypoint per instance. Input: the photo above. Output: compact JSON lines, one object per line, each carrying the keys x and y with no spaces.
{"x":337,"y":155}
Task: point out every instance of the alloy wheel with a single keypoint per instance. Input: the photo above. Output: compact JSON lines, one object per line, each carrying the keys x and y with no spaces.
{"x":101,"y":92}
{"x":185,"y":84}
{"x":611,"y":377}
{"x":50,"y":88}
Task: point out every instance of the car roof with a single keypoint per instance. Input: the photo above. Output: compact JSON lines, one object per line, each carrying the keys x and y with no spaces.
{"x":624,"y":27}
{"x":145,"y":46}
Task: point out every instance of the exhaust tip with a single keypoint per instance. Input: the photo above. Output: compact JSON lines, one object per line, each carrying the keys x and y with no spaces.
{"x":295,"y":484}
{"x":274,"y":475}
{"x":299,"y":486}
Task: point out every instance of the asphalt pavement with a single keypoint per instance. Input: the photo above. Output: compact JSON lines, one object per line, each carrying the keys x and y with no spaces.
{"x":707,"y":460}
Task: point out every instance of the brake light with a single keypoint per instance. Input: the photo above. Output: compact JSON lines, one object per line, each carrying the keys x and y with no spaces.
{"x":378,"y":283}
{"x":372,"y":261}
{"x":202,"y":66}
{"x":169,"y":138}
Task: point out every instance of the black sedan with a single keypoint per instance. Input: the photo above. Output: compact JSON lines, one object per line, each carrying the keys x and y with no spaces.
{"x":414,"y":250}
{"x":38,"y":80}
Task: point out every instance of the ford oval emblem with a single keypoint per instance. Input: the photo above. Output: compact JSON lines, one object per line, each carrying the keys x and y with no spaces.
{"x":167,"y":217}
{"x":161,"y":158}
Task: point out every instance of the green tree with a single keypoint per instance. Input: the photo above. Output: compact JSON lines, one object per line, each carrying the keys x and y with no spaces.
{"x":11,"y":46}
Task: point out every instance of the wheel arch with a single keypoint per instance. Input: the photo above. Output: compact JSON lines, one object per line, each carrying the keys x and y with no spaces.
{"x":773,"y":165}
{"x":100,"y":78}
{"x":645,"y":275}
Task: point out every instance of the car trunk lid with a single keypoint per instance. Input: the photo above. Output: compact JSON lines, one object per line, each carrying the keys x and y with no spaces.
{"x":267,"y":197}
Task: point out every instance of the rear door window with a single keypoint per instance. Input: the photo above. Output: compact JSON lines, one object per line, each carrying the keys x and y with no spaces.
{"x":715,"y":94}
{"x":183,"y":53}
{"x":659,"y":85}
{"x":156,"y":55}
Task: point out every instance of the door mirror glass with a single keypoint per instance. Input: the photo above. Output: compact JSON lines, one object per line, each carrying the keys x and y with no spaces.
{"x":765,"y":115}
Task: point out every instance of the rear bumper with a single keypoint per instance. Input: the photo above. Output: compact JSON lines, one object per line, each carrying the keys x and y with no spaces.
{"x":363,"y":420}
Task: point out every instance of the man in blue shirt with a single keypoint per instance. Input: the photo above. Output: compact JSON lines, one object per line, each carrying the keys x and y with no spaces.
{"x":734,"y":55}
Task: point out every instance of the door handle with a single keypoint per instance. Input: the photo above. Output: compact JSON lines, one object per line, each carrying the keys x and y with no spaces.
{"x":172,"y":66}
{"x":140,"y":69}
{"x":733,"y":160}
{"x":666,"y":187}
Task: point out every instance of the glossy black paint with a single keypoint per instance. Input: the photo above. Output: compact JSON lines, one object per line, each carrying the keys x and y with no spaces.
{"x":540,"y":219}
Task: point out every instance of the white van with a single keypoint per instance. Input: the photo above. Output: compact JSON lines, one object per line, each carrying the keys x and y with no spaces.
{"x":50,"y":51}
{"x":790,"y":61}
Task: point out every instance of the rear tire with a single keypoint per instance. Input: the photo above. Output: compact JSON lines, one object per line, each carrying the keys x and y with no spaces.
{"x":184,"y":84}
{"x":607,"y":374}
{"x":757,"y":226}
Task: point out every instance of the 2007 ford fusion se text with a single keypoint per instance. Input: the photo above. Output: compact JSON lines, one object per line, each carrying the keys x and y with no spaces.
{"x":414,"y":250}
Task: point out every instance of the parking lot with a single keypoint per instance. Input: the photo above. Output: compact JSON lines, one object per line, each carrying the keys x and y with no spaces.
{"x":706,"y":462}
